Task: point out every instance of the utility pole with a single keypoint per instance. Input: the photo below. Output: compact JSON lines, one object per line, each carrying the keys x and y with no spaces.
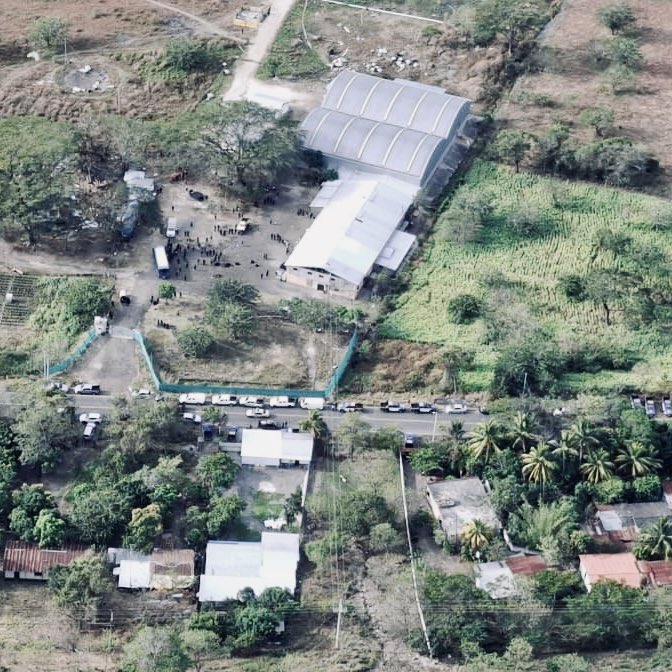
{"x":338,"y":622}
{"x":436,"y":418}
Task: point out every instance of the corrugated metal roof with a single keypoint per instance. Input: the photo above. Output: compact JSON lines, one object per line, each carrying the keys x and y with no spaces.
{"x":20,"y":556}
{"x":527,"y":565}
{"x":175,"y":563}
{"x":658,"y":571}
{"x":618,"y":567}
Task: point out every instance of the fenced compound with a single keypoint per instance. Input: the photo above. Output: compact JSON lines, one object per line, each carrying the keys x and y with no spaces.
{"x":326,"y":393}
{"x":60,"y":367}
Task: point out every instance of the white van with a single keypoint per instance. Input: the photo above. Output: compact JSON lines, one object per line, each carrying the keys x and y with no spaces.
{"x":312,"y":403}
{"x":224,"y":400}
{"x":197,"y":398}
{"x":281,"y":402}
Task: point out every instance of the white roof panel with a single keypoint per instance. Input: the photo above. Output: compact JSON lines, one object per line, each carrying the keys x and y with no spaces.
{"x":398,"y":246}
{"x":278,"y":445}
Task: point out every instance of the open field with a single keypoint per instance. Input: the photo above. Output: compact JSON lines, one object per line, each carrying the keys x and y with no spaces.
{"x":527,"y":268}
{"x":569,"y":78}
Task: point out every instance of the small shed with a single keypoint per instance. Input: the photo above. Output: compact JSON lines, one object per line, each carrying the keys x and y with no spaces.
{"x":263,"y":448}
{"x":22,"y":560}
{"x":161,"y":570}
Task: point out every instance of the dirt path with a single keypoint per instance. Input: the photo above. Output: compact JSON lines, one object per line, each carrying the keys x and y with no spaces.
{"x":208,"y":25}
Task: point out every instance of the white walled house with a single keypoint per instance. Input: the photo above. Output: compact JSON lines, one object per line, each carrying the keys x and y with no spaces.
{"x":275,"y":448}
{"x":22,"y":560}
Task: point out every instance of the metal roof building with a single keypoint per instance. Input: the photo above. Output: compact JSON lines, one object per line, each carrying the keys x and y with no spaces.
{"x":231,"y":566}
{"x":264,"y":448}
{"x":161,"y":570}
{"x":394,"y":127}
{"x":23,"y":560}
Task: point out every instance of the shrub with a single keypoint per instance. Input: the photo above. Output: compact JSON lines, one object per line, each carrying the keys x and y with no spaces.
{"x":616,"y":17}
{"x":49,"y":33}
{"x":195,"y":341}
{"x":625,"y":51}
{"x":464,"y":308}
{"x":167,"y":290}
{"x":610,"y":491}
{"x":647,"y":488}
{"x":573,"y":287}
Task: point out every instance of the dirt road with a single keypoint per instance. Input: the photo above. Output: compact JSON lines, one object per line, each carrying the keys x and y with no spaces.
{"x":209,"y":26}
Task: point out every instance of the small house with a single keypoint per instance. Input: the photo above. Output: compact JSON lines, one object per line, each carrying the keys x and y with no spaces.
{"x":231,"y":566}
{"x":263,"y":448}
{"x":498,"y":579}
{"x":619,"y":567}
{"x":22,"y":560}
{"x":160,"y":570}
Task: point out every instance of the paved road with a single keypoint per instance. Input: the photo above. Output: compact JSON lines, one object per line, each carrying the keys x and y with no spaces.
{"x":421,"y":425}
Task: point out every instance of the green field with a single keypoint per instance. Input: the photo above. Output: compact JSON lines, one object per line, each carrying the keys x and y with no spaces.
{"x":509,"y":271}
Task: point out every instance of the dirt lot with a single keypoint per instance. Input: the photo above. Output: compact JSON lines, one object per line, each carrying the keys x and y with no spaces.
{"x":573,"y":84}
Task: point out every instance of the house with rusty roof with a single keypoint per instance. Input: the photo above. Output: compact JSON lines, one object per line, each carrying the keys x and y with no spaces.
{"x":657,"y":573}
{"x":22,"y":560}
{"x":499,"y":578}
{"x":621,"y":568}
{"x":457,"y":502}
{"x":623,"y":523}
{"x":161,"y":570}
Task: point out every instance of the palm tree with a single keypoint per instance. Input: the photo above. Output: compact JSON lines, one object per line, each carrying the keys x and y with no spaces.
{"x":597,"y":466}
{"x":476,"y":535}
{"x":316,"y":425}
{"x":485,"y":441}
{"x":581,"y":438}
{"x":655,"y":542}
{"x":456,"y":430}
{"x":564,"y":449}
{"x":538,"y":465}
{"x":522,"y":431}
{"x":638,"y":459}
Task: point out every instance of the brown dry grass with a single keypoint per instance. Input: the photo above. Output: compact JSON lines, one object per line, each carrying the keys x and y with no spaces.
{"x":574,"y":84}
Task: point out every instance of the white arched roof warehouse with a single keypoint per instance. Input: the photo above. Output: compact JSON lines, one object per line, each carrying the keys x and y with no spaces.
{"x":392,"y":127}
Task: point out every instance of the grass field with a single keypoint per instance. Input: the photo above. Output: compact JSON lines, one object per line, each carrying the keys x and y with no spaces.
{"x":526,"y":270}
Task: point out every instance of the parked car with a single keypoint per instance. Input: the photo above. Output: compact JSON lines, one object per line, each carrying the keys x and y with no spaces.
{"x":350,"y":407}
{"x":312,"y":403}
{"x":268,"y":424}
{"x":90,"y":431}
{"x":667,"y":407}
{"x":90,"y":418}
{"x":282,"y":402}
{"x":87,"y":388}
{"x":171,"y":227}
{"x":456,"y":407}
{"x":142,"y":393}
{"x":636,"y":402}
{"x":124,"y":298}
{"x":483,"y":410}
{"x":392,"y":407}
{"x":422,"y":407}
{"x":251,"y":402}
{"x":54,"y":386}
{"x":410,"y":441}
{"x":232,"y":434}
{"x":258,"y":413}
{"x":195,"y":398}
{"x":650,"y":407}
{"x":192,"y":417}
{"x":197,"y":195}
{"x":224,"y":400}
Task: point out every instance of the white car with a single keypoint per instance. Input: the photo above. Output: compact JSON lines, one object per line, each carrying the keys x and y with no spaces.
{"x":252,"y":402}
{"x":224,"y":400}
{"x":142,"y":393}
{"x":457,"y":407}
{"x":90,"y":418}
{"x":257,"y":413}
{"x":192,"y":417}
{"x":90,"y":431}
{"x":196,"y":398}
{"x":171,"y":227}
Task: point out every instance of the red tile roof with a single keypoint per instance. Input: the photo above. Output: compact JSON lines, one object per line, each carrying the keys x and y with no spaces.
{"x":659,"y":572}
{"x":526,"y":565}
{"x":23,"y":557}
{"x":619,"y":567}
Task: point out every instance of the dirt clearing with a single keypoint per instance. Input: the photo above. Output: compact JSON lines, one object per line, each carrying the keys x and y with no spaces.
{"x":569,"y":81}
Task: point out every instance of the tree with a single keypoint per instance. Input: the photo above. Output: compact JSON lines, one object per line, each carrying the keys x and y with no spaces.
{"x":383,"y":538}
{"x":195,"y":341}
{"x":235,"y":321}
{"x":156,"y":650}
{"x":49,"y":33}
{"x":389,"y":439}
{"x":254,"y":625}
{"x":638,"y":459}
{"x":538,"y":465}
{"x":353,"y":433}
{"x":580,"y":437}
{"x":223,"y":513}
{"x":464,"y":218}
{"x":625,"y":52}
{"x":29,"y":502}
{"x":655,"y":542}
{"x":564,"y":449}
{"x":532,"y":525}
{"x":81,"y":584}
{"x":217,"y":471}
{"x":167,"y":290}
{"x":511,"y":18}
{"x":464,"y":308}
{"x":600,"y":119}
{"x":597,"y":466}
{"x":361,"y":511}
{"x":36,"y":165}
{"x":146,"y":524}
{"x":476,"y":535}
{"x":247,"y":142}
{"x":521,"y":431}
{"x":485,"y":441}
{"x":511,"y":146}
{"x":200,"y":646}
{"x":187,"y":55}
{"x":293,"y":505}
{"x":231,"y":291}
{"x":99,"y":512}
{"x":42,"y":434}
{"x":429,"y":459}
{"x":616,"y":17}
{"x":315,"y":425}
{"x":49,"y":528}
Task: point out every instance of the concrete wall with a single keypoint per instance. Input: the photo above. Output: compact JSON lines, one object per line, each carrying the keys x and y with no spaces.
{"x":320,"y":281}
{"x":252,"y":461}
{"x":28,"y":576}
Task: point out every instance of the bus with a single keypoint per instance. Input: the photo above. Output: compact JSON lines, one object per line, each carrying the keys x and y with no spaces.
{"x":161,"y":261}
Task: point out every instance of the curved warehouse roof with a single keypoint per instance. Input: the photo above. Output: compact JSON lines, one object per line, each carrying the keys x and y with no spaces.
{"x":395,"y":126}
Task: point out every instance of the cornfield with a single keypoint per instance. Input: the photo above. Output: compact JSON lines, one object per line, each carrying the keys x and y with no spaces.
{"x":531,"y":267}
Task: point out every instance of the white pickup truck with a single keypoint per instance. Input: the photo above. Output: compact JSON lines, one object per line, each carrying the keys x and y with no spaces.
{"x":281,"y":402}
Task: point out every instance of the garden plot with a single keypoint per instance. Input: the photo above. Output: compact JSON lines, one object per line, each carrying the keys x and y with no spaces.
{"x":17,"y":296}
